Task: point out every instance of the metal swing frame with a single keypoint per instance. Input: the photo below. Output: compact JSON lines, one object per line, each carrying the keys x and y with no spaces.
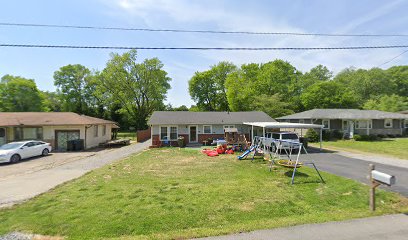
{"x":288,"y":153}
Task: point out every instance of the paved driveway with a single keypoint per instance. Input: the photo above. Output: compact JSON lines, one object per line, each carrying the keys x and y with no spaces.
{"x":357,"y":169}
{"x":24,"y":180}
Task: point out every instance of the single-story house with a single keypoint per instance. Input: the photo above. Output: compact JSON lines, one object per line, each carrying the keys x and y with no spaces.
{"x":353,"y":121}
{"x":56,"y":128}
{"x":196,"y":127}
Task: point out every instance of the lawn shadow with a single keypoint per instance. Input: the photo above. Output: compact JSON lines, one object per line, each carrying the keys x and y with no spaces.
{"x":303,"y":177}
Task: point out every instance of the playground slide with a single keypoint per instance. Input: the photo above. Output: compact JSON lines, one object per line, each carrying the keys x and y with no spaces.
{"x":252,"y":148}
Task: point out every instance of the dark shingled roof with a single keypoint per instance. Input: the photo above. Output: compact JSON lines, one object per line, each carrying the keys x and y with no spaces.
{"x":344,"y":114}
{"x":47,"y":119}
{"x":184,"y":117}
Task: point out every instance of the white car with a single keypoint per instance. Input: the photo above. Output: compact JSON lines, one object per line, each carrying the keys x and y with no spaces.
{"x":15,"y":151}
{"x":289,"y":140}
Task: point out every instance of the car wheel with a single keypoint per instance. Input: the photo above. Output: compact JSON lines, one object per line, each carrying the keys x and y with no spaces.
{"x":45,"y":152}
{"x":15,"y":158}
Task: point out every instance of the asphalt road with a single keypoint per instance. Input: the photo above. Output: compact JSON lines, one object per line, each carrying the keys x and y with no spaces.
{"x":357,"y":169}
{"x":391,"y":227}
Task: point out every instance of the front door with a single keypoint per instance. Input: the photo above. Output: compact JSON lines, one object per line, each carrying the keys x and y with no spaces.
{"x":193,"y":133}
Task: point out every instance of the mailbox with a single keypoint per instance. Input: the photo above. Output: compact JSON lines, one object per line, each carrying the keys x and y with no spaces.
{"x":383,"y":177}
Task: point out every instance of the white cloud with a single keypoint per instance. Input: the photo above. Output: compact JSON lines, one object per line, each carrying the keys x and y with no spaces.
{"x":213,"y":14}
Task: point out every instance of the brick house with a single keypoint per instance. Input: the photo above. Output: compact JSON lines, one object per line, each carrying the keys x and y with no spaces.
{"x":353,"y":121}
{"x":57,"y":128}
{"x":196,"y":127}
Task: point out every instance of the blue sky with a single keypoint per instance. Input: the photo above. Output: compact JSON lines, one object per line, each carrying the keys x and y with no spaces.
{"x":350,"y":17}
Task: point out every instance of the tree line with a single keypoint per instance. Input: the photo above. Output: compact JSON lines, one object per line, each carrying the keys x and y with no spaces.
{"x":279,"y":89}
{"x":128,"y":91}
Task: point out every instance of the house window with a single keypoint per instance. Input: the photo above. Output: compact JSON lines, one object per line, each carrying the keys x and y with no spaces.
{"x":103,"y":130}
{"x":173,"y":133}
{"x":229,"y":126}
{"x":406,"y":123}
{"x":168,"y":133}
{"x":28,"y":133}
{"x":163,"y":133}
{"x":326,"y":123}
{"x":364,"y":124}
{"x":207,"y":129}
{"x":301,"y":121}
{"x":96,"y":131}
{"x":388,"y":123}
{"x":2,"y":132}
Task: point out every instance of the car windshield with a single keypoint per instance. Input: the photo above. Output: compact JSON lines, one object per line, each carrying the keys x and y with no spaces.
{"x":9,"y":146}
{"x":289,"y":136}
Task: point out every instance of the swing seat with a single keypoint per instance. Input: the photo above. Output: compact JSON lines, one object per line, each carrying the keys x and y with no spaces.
{"x":289,"y":164}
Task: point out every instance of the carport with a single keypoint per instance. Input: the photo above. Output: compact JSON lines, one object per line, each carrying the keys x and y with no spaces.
{"x":275,"y":125}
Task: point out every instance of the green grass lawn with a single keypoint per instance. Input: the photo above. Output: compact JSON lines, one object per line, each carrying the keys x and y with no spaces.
{"x":395,"y":147}
{"x":176,"y":193}
{"x":128,"y":135}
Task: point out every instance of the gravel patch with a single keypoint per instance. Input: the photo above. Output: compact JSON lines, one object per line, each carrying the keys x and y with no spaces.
{"x":17,"y":236}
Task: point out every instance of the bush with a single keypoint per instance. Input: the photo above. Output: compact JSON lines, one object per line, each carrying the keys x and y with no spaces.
{"x":398,"y":135}
{"x":381,"y":136}
{"x":391,"y":135}
{"x":372,"y":138}
{"x":336,"y":134}
{"x":326,"y":135}
{"x":357,"y":137}
{"x":312,"y":135}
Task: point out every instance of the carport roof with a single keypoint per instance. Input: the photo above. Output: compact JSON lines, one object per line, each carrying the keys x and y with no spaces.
{"x":8,"y":119}
{"x":283,"y":125}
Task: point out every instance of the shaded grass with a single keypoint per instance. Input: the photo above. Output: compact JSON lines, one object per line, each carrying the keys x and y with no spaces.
{"x":177,"y":193}
{"x":395,"y":147}
{"x":127,"y":135}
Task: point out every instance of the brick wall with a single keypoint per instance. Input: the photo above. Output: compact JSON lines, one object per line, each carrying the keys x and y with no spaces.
{"x":143,"y":135}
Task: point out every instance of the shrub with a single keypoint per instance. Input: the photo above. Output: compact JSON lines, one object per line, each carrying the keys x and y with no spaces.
{"x":326,"y":135}
{"x":372,"y":138}
{"x":381,"y":136}
{"x":398,"y":135}
{"x":391,"y":135}
{"x":312,"y":135}
{"x":357,"y":137}
{"x":336,"y":134}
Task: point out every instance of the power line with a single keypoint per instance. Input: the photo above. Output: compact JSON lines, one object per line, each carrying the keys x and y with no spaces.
{"x":197,"y":31}
{"x":393,"y":58}
{"x":204,"y":48}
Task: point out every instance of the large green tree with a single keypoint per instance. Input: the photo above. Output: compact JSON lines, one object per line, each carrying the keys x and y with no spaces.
{"x":241,"y":88}
{"x":76,"y":87}
{"x":140,"y":88}
{"x":208,"y":90}
{"x":389,"y":103}
{"x":328,"y":95}
{"x":18,"y":94}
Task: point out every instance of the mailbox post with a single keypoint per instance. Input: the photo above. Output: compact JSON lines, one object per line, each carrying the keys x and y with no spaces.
{"x":376,"y":179}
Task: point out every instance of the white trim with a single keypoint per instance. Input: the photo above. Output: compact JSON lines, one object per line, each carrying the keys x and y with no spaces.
{"x":207,"y":126}
{"x":368,"y":121}
{"x":189,"y":132}
{"x":328,"y":123}
{"x":385,"y":121}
